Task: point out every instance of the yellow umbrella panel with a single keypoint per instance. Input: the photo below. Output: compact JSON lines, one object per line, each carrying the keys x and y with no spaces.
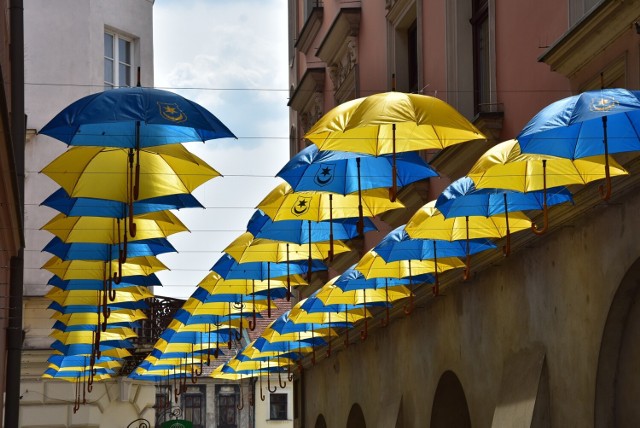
{"x":164,"y":170}
{"x":92,"y":297}
{"x":505,"y":167}
{"x":93,"y":318}
{"x":89,"y":269}
{"x":159,"y":224}
{"x":246,"y":248}
{"x":282,"y":203}
{"x":392,"y":122}
{"x":371,"y":124}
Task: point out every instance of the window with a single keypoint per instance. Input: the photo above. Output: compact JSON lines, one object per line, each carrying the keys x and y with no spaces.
{"x":412,"y":56}
{"x":278,"y":407}
{"x":227,"y":406}
{"x":163,"y":404}
{"x":193,"y":407}
{"x":481,"y":65}
{"x":308,"y":7}
{"x":118,"y":56}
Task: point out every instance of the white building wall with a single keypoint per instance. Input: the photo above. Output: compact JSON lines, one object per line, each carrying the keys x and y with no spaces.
{"x":263,"y":419}
{"x":64,"y":61}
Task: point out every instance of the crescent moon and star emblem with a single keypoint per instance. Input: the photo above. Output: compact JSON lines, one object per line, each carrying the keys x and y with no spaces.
{"x":301,"y":206}
{"x":324,"y":175}
{"x":603,"y":103}
{"x":172,"y":112}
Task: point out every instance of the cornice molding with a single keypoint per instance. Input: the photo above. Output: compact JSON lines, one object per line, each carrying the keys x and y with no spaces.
{"x":310,"y":30}
{"x":591,"y":35}
{"x":345,"y":25}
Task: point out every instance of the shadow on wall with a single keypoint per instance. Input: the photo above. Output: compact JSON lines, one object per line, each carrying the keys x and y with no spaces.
{"x":450,"y":404}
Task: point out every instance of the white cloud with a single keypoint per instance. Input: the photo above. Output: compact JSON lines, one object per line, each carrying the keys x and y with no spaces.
{"x":230,"y":57}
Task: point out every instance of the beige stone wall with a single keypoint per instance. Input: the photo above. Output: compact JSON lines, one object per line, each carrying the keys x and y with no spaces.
{"x":110,"y":404}
{"x":554,"y":295}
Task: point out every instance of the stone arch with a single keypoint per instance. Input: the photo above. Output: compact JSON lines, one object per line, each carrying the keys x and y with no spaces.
{"x":356,"y":417}
{"x":320,"y":422}
{"x":450,"y":404}
{"x":617,"y":382}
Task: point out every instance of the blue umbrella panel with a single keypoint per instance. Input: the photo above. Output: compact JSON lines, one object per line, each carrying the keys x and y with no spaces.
{"x":599,"y":122}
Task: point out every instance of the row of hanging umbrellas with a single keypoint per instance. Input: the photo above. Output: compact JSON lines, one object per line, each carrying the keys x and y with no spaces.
{"x":327,"y":196}
{"x":567,"y":143}
{"x":125,"y":171}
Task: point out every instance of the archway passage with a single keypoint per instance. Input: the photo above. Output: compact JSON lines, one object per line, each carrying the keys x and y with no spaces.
{"x":320,"y":422}
{"x":356,"y":417}
{"x":450,"y":404}
{"x":618,"y":383}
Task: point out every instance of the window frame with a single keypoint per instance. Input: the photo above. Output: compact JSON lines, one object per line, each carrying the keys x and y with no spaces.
{"x":284,"y":403}
{"x":116,"y":60}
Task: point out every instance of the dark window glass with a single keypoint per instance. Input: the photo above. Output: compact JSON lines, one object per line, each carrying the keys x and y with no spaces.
{"x":278,"y":407}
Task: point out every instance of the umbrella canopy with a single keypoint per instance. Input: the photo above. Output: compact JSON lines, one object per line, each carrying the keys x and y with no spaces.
{"x":167,"y":170}
{"x":98,"y":251}
{"x":134,"y":117}
{"x":92,"y":318}
{"x":247,"y":248}
{"x":592,"y":123}
{"x":98,"y":284}
{"x":91,"y":269}
{"x":94,"y":207}
{"x":371,"y":265}
{"x":345,"y":172}
{"x":282,"y":203}
{"x":160,"y":224}
{"x":392,"y":122}
{"x":429,"y":223}
{"x":304,"y":231}
{"x":576,"y":127}
{"x":504,"y":166}
{"x":228,"y":268}
{"x":89,"y":297}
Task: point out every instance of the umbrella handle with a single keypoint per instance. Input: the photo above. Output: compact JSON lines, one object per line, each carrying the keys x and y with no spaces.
{"x":545,"y":209}
{"x":252,"y":322}
{"x":241,"y":406}
{"x":436,"y":286}
{"x":76,"y":402}
{"x":112,"y":291}
{"x":364,"y":333}
{"x":466,"y":273}
{"x":289,"y":374}
{"x":409,"y":308}
{"x":506,"y":249}
{"x":393,"y":191}
{"x":385,"y":322}
{"x":262,"y":397}
{"x":605,"y":190}
{"x":280,"y":382}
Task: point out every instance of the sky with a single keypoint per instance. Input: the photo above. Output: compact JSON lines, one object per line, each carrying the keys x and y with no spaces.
{"x":230,"y":57}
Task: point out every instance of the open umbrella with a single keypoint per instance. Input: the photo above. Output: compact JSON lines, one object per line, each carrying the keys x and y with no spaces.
{"x":168,"y":170}
{"x":229,"y":268}
{"x":282,"y":203}
{"x":134,"y":117}
{"x":99,"y":251}
{"x":462,"y":198}
{"x":98,"y":284}
{"x":429,"y":223}
{"x":345,"y":172}
{"x":352,"y":279}
{"x":260,"y":225}
{"x":592,"y":123}
{"x":247,"y":248}
{"x":504,"y":166}
{"x":392,"y":122}
{"x":332,"y":294}
{"x":94,"y":207}
{"x":92,"y":269}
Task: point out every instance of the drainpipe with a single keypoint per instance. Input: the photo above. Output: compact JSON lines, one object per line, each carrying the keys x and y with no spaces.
{"x":18,"y":126}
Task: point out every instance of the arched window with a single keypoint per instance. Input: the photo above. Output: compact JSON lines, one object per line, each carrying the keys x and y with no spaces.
{"x":450,"y":404}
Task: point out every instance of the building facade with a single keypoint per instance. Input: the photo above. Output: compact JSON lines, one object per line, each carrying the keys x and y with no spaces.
{"x":542,"y":337}
{"x":92,"y":46}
